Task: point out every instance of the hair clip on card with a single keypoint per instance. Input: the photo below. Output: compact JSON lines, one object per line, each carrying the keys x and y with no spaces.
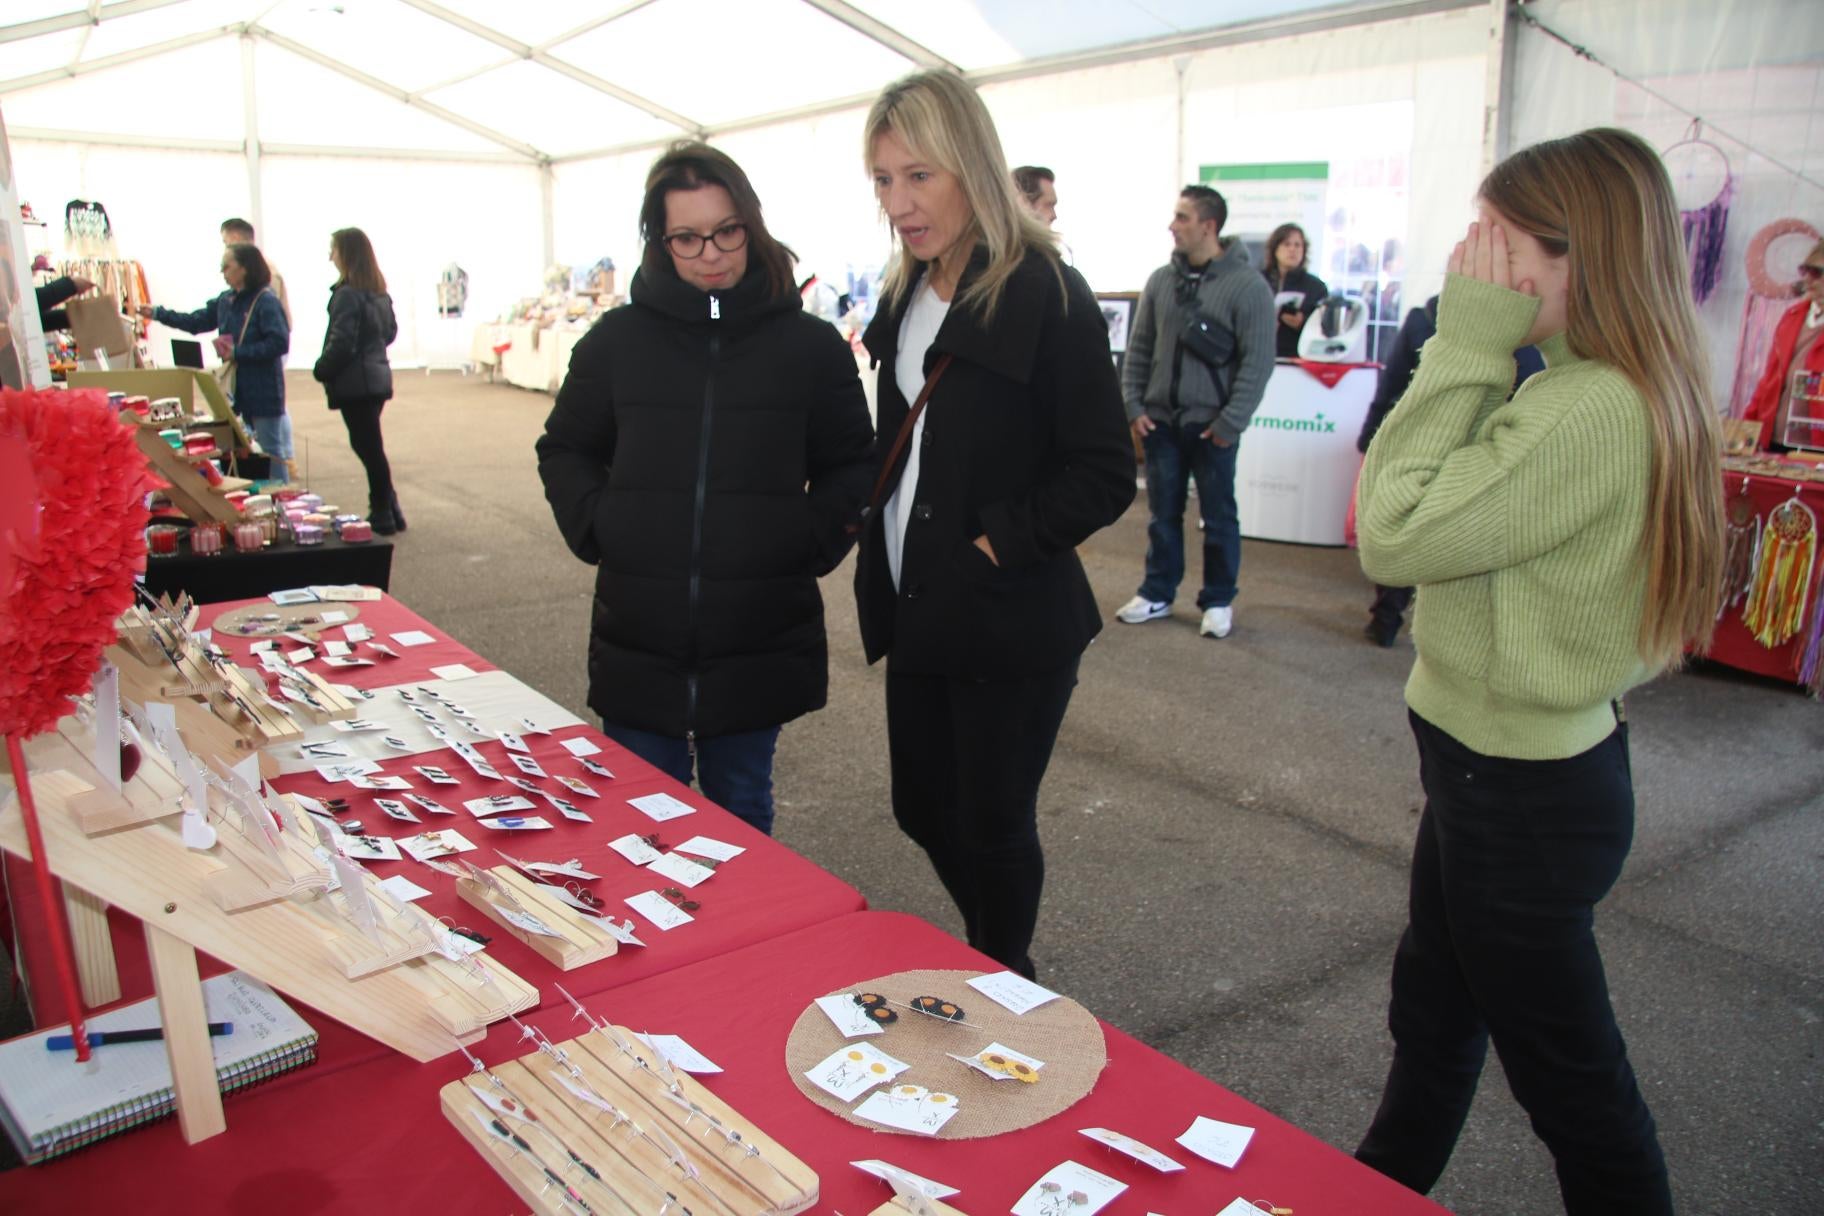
{"x":1019,"y":1070}
{"x":875,"y":1007}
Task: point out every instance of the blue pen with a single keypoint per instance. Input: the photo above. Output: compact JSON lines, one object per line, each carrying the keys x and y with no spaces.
{"x":64,"y":1042}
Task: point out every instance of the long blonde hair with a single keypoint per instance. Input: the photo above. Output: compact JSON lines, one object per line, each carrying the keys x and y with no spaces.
{"x":943,"y":121}
{"x":1603,"y":196}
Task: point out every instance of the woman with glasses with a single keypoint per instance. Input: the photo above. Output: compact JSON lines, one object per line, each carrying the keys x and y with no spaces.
{"x":1567,"y":545}
{"x":250,"y":330}
{"x":707,"y":452}
{"x":968,"y":581}
{"x":1793,"y":383}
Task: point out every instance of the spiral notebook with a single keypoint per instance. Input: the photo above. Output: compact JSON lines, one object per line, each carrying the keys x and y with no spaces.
{"x":52,"y":1105}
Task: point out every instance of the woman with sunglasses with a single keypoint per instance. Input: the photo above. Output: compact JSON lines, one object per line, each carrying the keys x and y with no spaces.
{"x":1567,"y":545}
{"x":968,"y":581}
{"x":1793,"y":381}
{"x":707,"y":451}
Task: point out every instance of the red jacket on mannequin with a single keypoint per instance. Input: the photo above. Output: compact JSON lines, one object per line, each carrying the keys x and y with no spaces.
{"x":1764,"y":406}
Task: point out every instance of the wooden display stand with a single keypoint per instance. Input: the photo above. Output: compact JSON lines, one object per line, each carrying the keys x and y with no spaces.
{"x":188,"y":489}
{"x":189,"y":385}
{"x":897,"y":1206}
{"x":256,"y":896}
{"x":582,"y":943}
{"x":740,"y":1170}
{"x":221,"y":710}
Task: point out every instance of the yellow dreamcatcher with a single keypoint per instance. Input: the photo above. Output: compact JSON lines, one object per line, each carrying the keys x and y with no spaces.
{"x":1782,"y":577}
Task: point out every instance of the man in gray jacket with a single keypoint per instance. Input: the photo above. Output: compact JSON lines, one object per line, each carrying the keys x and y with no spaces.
{"x":1188,"y":414}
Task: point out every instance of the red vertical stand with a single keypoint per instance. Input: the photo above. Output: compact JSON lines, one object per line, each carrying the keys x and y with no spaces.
{"x":62,"y":951}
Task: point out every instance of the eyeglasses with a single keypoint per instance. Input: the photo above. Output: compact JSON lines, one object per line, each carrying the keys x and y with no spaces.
{"x":677,"y":897}
{"x":728,"y":238}
{"x":1811,"y":272}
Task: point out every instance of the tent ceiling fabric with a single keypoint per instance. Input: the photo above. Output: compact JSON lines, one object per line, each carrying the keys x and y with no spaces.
{"x":551,"y":79}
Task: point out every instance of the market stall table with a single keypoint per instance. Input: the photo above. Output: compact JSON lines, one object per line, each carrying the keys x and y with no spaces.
{"x":232,"y":575}
{"x":765,"y":891}
{"x":1734,"y":646}
{"x":371,"y":1135}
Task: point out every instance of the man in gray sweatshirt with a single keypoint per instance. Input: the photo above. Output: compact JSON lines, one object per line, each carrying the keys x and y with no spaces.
{"x":1188,"y":415}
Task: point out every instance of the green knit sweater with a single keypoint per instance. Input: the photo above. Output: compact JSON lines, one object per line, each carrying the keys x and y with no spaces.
{"x":1520,"y":523}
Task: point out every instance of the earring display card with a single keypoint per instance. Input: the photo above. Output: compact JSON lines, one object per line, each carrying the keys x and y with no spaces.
{"x":848,"y":1072}
{"x":695,"y":1153}
{"x":1070,"y":1189}
{"x":1214,"y":1140}
{"x":661,"y":807}
{"x":905,"y":1177}
{"x":849,"y":1017}
{"x":1146,"y":1154}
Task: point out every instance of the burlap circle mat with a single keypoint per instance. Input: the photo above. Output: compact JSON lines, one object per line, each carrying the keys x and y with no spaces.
{"x":1062,"y":1033}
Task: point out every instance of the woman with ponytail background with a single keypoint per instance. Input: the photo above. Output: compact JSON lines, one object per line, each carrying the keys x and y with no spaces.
{"x":1567,"y":545}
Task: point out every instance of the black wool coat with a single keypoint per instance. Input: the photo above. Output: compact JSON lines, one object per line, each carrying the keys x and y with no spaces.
{"x":708,"y":465}
{"x":353,"y":365}
{"x":1025,"y":441}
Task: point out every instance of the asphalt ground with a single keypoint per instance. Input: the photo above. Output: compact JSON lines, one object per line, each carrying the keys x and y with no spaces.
{"x":1227,"y":824}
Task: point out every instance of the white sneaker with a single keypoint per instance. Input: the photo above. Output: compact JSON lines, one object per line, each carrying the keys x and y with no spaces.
{"x":1140,"y":610}
{"x":1217,"y":622}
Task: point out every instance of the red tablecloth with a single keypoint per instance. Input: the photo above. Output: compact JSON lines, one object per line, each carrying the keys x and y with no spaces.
{"x":372,"y":1137}
{"x":1734,"y":645}
{"x":766,"y":891}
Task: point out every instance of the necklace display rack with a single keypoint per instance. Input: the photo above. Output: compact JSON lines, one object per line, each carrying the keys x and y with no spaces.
{"x":184,"y":842}
{"x":592,"y":1126}
{"x":572,"y":938}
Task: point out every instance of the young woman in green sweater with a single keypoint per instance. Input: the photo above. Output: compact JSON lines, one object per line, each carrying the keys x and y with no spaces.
{"x":1567,"y":546}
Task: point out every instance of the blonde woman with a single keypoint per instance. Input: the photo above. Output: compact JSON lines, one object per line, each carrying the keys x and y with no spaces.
{"x":968,"y":582}
{"x":1567,"y":546}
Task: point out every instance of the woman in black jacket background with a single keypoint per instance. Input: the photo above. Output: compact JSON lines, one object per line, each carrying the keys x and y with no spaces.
{"x":708,"y":448}
{"x":353,"y":368}
{"x":968,"y":580}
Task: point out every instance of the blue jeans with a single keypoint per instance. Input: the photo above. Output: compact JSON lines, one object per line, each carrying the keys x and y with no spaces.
{"x":734,"y":771}
{"x":1512,"y":857}
{"x":273,"y":435}
{"x":1174,"y":455}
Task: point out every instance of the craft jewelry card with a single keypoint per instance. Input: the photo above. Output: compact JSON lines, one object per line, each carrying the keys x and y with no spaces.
{"x":909,"y":1108}
{"x":661,"y":807}
{"x":635,"y":850}
{"x":715,"y":850}
{"x":848,"y":1072}
{"x":1012,"y":991}
{"x":659,"y":910}
{"x":1214,"y":1140}
{"x":1071,"y":1189}
{"x":681,"y":870}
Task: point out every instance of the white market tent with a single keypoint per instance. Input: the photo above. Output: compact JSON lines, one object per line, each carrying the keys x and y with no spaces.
{"x":505,"y":136}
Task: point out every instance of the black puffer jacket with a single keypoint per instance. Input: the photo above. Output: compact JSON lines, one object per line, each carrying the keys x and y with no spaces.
{"x":677,"y":459}
{"x":1026,"y":442}
{"x":353,"y":365}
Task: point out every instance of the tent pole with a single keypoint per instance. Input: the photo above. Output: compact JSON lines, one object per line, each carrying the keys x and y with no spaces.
{"x":546,"y":189}
{"x":250,"y":110}
{"x":1181,"y":64}
{"x":1498,"y":91}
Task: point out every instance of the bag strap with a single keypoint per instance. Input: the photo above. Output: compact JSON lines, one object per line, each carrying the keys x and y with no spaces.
{"x":899,"y":442}
{"x":249,"y":318}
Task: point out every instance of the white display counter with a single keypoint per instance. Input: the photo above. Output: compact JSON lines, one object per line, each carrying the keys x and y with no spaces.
{"x":1297,"y":465}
